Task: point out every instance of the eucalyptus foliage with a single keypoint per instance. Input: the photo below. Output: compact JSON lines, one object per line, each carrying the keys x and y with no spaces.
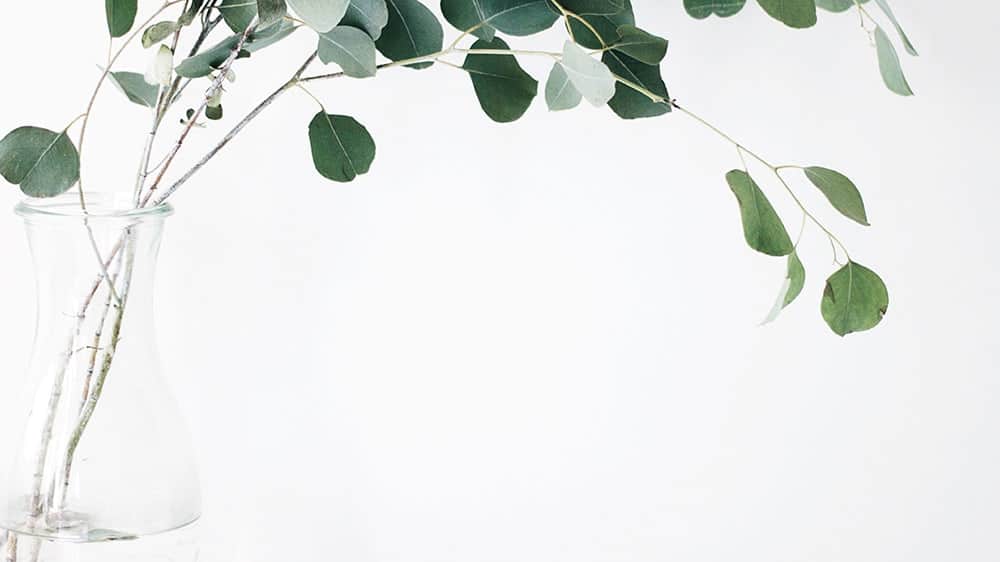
{"x":605,"y":57}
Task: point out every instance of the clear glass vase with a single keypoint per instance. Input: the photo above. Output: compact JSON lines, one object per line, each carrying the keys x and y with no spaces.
{"x":94,"y":450}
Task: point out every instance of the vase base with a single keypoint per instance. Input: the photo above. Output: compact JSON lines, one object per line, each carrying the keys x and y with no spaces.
{"x":180,"y":545}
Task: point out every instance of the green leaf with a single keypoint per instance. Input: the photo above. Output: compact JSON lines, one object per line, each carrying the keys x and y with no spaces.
{"x":352,"y":49}
{"x":701,"y":9}
{"x":44,"y":163}
{"x":793,"y":13}
{"x":593,"y":6}
{"x":560,"y":93}
{"x":504,"y":89}
{"x":640,"y":45}
{"x":884,"y":4}
{"x":135,"y":88}
{"x":855,"y":300}
{"x":238,"y":14}
{"x":413,"y":31}
{"x":797,"y":277}
{"x":121,"y":16}
{"x":513,"y":17}
{"x":214,"y":112}
{"x":606,"y":25}
{"x":590,"y":76}
{"x":157,"y":33}
{"x":841,"y":191}
{"x":762,"y":227}
{"x":628,"y":103}
{"x":321,"y":15}
{"x":271,"y":12}
{"x":269,"y":36}
{"x":187,"y":18}
{"x":342,"y":149}
{"x":888,"y":64}
{"x":836,"y":5}
{"x":795,"y":280}
{"x":369,"y":16}
{"x":208,"y":61}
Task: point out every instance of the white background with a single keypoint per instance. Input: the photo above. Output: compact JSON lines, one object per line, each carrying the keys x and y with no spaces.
{"x":538,"y":342}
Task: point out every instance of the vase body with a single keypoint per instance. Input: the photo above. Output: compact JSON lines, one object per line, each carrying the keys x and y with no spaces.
{"x":94,"y":448}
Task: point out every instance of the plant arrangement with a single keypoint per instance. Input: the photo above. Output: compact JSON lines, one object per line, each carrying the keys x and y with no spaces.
{"x":602,"y":57}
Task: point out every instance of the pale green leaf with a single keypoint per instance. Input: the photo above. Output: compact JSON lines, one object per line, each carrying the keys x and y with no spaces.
{"x":889,"y":66}
{"x":560,"y":94}
{"x":321,"y":15}
{"x":884,"y":5}
{"x":135,"y":88}
{"x":350,"y":48}
{"x":590,"y":76}
{"x":369,"y":16}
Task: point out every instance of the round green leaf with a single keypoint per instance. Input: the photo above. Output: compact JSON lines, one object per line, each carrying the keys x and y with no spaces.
{"x":606,"y":25}
{"x":352,"y":49}
{"x":628,"y":103}
{"x":369,"y":16}
{"x":121,"y":16}
{"x":841,"y":191}
{"x":342,"y":149}
{"x":44,"y":163}
{"x":701,"y":9}
{"x":560,"y":93}
{"x":504,"y":89}
{"x":889,"y":66}
{"x":640,"y":45}
{"x":855,"y":300}
{"x":793,"y":13}
{"x":321,"y":15}
{"x":762,"y":227}
{"x":413,"y":31}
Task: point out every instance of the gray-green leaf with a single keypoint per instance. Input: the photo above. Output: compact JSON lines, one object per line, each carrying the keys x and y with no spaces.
{"x":121,"y":16}
{"x":367,"y":15}
{"x":590,"y":76}
{"x":884,"y":4}
{"x":135,"y":88}
{"x":701,"y":9}
{"x":627,"y":103}
{"x":560,"y":94}
{"x":321,"y":15}
{"x":762,"y":227}
{"x":206,"y":62}
{"x":855,"y":300}
{"x":791,"y":288}
{"x":44,"y":163}
{"x":342,"y":149}
{"x":352,"y":49}
{"x":641,"y":45}
{"x":504,"y":89}
{"x":793,"y":13}
{"x":413,"y":31}
{"x":271,"y":11}
{"x":841,"y":191}
{"x":157,"y":32}
{"x":513,"y":17}
{"x":238,"y":14}
{"x":889,"y":66}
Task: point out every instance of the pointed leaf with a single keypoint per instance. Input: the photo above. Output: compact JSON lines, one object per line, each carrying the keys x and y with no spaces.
{"x":342,"y":149}
{"x":590,"y":76}
{"x":504,"y":89}
{"x":369,"y":16}
{"x":797,"y":276}
{"x":701,"y":9}
{"x":606,"y":25}
{"x":855,"y":300}
{"x":560,"y":93}
{"x":762,"y":227}
{"x":135,"y":88}
{"x":884,"y":4}
{"x":321,"y":15}
{"x":793,"y":13}
{"x":206,"y":62}
{"x":352,"y":49}
{"x":841,"y":191}
{"x":640,"y":45}
{"x":786,"y":285}
{"x":271,"y":11}
{"x":413,"y":31}
{"x":627,"y":103}
{"x":888,"y":64}
{"x":44,"y":163}
{"x":121,"y":16}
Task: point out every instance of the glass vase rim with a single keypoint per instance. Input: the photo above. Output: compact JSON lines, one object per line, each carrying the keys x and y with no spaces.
{"x":108,"y":206}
